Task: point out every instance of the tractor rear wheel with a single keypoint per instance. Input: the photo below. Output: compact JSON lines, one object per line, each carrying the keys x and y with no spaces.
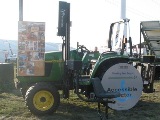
{"x":42,"y":98}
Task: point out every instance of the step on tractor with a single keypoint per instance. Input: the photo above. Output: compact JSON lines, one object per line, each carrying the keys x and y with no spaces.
{"x":116,"y":69}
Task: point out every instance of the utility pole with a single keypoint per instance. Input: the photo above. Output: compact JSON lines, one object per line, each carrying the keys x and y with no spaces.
{"x":20,"y":10}
{"x":123,"y":9}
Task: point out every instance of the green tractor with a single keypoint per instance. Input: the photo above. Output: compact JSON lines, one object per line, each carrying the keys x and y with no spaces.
{"x":41,"y":92}
{"x":74,"y":69}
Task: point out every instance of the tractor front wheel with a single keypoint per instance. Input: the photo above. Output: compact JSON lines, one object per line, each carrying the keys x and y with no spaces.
{"x":42,"y":98}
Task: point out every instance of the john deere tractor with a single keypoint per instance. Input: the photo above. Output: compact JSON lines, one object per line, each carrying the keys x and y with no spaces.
{"x":73,"y":70}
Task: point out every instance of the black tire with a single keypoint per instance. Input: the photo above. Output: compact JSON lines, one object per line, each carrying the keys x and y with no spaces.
{"x":107,"y":64}
{"x":42,"y":99}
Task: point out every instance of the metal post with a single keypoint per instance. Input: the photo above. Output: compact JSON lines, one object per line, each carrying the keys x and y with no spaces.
{"x":68,"y":33}
{"x":20,"y":10}
{"x":140,"y":43}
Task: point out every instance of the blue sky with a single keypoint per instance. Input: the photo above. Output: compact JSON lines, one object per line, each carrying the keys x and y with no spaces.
{"x":90,"y":18}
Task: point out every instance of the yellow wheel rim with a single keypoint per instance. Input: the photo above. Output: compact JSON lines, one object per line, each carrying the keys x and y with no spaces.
{"x":43,"y":100}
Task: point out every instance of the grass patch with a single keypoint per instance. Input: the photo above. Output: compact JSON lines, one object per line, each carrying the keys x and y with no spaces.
{"x":12,"y":107}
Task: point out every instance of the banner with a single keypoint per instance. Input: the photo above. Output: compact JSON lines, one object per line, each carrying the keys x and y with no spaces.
{"x":64,"y":17}
{"x":31,"y":48}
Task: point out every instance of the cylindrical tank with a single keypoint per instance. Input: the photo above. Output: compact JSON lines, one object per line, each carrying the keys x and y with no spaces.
{"x":6,"y":76}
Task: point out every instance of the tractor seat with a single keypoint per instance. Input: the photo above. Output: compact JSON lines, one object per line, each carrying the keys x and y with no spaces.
{"x":100,"y":92}
{"x":102,"y":96}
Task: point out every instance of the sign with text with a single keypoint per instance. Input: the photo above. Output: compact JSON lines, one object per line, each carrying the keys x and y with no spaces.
{"x":64,"y":17}
{"x":123,"y":78}
{"x":31,"y":48}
